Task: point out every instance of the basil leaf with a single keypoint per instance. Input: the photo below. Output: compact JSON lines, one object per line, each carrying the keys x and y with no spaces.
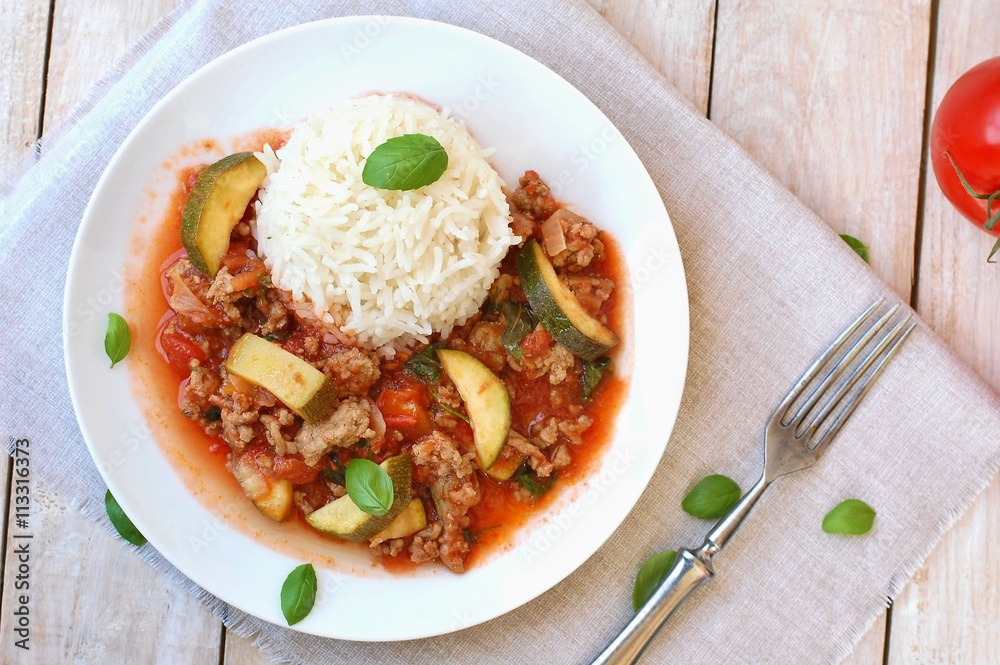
{"x":592,"y":373}
{"x":123,"y":525}
{"x":405,"y":162}
{"x":650,"y":576}
{"x":425,"y":364}
{"x":213,"y":414}
{"x":852,"y":517}
{"x":537,"y":486}
{"x":712,"y":497}
{"x":117,"y":339}
{"x":857,"y":246}
{"x":298,"y":593}
{"x":369,"y":486}
{"x":520,"y":322}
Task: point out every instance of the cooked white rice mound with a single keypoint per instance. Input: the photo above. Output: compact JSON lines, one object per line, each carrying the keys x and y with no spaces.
{"x":384,"y":268}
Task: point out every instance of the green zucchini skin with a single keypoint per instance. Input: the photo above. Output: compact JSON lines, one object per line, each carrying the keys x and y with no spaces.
{"x":558,"y":309}
{"x":325,"y":520}
{"x":204,"y":228}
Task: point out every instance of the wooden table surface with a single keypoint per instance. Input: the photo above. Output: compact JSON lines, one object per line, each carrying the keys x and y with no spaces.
{"x":833,"y":97}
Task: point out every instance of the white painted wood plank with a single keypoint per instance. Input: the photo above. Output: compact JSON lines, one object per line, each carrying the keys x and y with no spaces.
{"x":23,"y":33}
{"x":241,"y":651}
{"x":950,"y":613}
{"x":674,"y":35}
{"x":93,"y":600}
{"x":829,"y":97}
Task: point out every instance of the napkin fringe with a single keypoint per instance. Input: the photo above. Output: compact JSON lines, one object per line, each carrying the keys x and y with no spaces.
{"x":845,"y":644}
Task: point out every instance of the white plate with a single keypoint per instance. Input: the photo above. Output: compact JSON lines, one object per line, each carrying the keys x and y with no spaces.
{"x":536,"y":120}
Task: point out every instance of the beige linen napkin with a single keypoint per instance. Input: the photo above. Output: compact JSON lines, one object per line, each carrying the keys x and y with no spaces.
{"x":769,"y":284}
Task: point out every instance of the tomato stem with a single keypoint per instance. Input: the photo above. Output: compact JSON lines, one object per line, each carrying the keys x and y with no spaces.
{"x":991,"y":219}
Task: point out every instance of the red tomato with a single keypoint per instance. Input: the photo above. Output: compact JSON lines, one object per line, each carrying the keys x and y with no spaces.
{"x":294,"y":469}
{"x":967,"y":127}
{"x":403,"y":404}
{"x":179,"y":351}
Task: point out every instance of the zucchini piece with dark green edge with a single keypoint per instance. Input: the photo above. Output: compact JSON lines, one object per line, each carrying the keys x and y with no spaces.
{"x":486,"y":401}
{"x":300,"y":386}
{"x":507,"y":463}
{"x":216,"y":204}
{"x":558,"y":309}
{"x":342,"y":517}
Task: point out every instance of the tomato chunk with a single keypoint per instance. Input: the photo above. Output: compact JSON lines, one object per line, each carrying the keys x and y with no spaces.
{"x":404,"y":404}
{"x":294,"y":469}
{"x":179,"y":351}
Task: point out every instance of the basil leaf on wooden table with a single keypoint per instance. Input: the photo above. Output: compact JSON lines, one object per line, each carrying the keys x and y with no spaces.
{"x":405,"y":162}
{"x":857,"y":246}
{"x":298,"y":593}
{"x":712,"y":497}
{"x":852,"y":517}
{"x":425,"y":364}
{"x":592,"y":373}
{"x":520,"y":322}
{"x":650,"y":576}
{"x":117,"y":339}
{"x":369,"y":486}
{"x":121,"y":522}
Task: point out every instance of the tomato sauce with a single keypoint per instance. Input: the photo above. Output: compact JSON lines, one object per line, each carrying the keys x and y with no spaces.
{"x":202,"y":458}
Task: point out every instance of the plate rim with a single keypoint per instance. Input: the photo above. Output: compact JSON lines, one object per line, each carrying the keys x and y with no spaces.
{"x":76,"y":261}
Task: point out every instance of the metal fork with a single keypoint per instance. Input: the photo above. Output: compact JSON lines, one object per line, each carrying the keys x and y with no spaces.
{"x":798,"y":433}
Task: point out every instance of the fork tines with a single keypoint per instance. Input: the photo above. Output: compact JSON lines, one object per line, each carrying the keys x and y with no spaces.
{"x":848,"y":369}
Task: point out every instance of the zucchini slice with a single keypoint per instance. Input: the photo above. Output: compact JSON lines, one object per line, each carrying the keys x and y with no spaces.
{"x":558,"y":309}
{"x":411,"y":520}
{"x":303,"y":388}
{"x":216,"y":204}
{"x":272,"y":496}
{"x":509,"y":461}
{"x":342,"y":517}
{"x":486,"y":400}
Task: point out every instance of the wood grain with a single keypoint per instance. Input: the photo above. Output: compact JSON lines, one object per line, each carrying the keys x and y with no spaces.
{"x":842,"y":131}
{"x":674,"y":35}
{"x":829,"y":97}
{"x":950,"y":613}
{"x":94,"y":601}
{"x":241,"y":651}
{"x":23,"y":34}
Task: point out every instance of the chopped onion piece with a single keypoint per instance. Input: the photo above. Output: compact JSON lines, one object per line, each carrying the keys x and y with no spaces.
{"x":553,"y":236}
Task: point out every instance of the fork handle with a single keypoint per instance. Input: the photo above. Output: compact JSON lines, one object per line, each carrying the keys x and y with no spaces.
{"x":691,"y":569}
{"x":689,"y":573}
